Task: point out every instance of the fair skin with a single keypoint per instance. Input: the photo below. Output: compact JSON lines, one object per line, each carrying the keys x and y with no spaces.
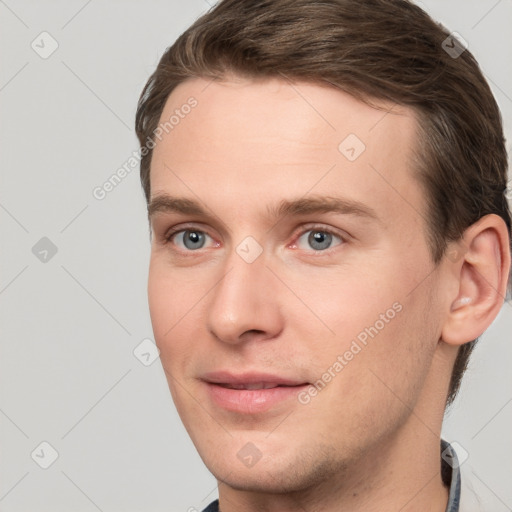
{"x":369,"y":440}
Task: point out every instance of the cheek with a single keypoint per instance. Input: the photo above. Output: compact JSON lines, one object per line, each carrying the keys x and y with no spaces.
{"x":368,"y":328}
{"x":172,"y":293}
{"x":161,"y":299}
{"x":375,"y":385}
{"x":171,"y":305}
{"x":339,"y":305}
{"x":396,"y":360}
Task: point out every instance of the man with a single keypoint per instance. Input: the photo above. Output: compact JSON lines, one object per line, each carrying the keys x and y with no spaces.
{"x":330,"y":235}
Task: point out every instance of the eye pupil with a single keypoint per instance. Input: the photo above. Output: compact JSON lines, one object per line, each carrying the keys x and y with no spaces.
{"x":320,"y":240}
{"x":193,"y":239}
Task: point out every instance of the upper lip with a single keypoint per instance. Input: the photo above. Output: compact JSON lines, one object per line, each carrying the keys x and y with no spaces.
{"x":250,"y":378}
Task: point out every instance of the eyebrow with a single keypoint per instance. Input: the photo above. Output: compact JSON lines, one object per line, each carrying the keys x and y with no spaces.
{"x":165,"y":203}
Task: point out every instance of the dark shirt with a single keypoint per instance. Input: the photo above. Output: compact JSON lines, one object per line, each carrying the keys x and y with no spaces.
{"x":449,"y":472}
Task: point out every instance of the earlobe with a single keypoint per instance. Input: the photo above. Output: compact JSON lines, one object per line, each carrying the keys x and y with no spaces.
{"x":482,"y":275}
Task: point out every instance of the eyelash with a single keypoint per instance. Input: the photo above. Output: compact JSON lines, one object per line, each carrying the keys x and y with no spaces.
{"x":319,"y":228}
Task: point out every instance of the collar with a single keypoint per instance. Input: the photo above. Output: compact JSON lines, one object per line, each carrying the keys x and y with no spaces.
{"x":450,"y":473}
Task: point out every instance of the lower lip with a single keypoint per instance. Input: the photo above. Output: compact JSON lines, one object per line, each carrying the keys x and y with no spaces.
{"x":251,"y":401}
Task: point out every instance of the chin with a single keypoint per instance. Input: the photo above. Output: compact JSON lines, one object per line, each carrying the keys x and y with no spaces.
{"x":296,"y":471}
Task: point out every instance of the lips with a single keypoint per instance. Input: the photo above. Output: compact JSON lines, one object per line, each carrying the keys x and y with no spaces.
{"x":250,"y":392}
{"x":250,"y":379}
{"x":255,"y":385}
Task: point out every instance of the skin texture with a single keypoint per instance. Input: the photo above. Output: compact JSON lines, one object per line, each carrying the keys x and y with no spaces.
{"x":369,"y":440}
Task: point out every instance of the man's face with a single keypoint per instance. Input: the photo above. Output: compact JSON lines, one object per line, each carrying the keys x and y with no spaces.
{"x":331,"y":310}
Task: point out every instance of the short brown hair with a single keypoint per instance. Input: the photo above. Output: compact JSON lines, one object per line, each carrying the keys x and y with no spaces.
{"x":372,"y":49}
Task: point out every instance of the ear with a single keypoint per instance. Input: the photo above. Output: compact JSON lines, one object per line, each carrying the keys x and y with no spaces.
{"x":480,"y":264}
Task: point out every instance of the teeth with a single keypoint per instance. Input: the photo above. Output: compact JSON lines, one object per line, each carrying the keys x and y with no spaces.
{"x":251,"y":386}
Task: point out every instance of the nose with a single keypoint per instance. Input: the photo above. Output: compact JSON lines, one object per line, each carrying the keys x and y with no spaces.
{"x":245,"y":305}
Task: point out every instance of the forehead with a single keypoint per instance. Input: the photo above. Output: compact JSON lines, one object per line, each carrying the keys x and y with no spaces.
{"x":273,"y":139}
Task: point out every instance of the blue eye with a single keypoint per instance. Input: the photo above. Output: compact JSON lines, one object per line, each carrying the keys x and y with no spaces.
{"x":191,"y":239}
{"x":316,"y":239}
{"x":319,"y":239}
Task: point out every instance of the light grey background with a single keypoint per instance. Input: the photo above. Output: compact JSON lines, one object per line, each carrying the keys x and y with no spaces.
{"x":69,"y":325}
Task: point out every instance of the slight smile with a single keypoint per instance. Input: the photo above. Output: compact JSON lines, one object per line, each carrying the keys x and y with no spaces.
{"x":250,"y":393}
